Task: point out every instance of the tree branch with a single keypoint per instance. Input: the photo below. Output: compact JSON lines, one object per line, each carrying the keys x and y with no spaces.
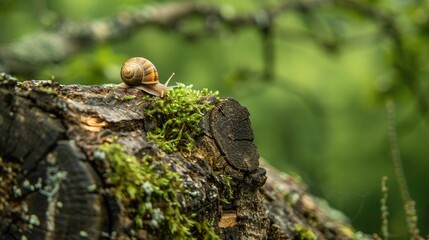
{"x":31,"y":53}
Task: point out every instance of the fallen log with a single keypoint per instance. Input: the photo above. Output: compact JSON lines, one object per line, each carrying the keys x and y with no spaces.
{"x":101,"y":162}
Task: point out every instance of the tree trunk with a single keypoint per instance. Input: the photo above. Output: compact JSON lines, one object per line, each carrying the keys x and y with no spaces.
{"x":79,"y":162}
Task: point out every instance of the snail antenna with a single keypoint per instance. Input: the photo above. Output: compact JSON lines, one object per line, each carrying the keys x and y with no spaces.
{"x":171,"y":76}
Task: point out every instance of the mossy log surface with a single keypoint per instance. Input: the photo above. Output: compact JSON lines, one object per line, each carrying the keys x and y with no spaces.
{"x":56,"y":183}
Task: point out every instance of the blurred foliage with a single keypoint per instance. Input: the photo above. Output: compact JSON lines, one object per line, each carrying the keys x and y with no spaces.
{"x":322,"y":112}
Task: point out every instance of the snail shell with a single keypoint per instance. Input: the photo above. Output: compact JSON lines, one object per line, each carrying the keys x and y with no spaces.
{"x":141,"y":73}
{"x":137,"y":70}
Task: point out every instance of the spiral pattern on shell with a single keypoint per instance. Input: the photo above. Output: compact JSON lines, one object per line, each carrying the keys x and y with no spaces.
{"x":137,"y":70}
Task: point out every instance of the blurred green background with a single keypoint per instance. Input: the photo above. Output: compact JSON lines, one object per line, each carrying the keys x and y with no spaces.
{"x":321,"y":115}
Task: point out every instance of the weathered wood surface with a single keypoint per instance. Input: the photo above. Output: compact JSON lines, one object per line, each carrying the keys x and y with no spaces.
{"x":53,"y":185}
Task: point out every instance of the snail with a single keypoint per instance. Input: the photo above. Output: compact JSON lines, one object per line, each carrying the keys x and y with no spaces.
{"x":140,"y":73}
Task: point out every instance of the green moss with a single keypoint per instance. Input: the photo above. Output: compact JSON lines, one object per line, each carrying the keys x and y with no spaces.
{"x":48,"y":90}
{"x":227,"y":179}
{"x":178,"y":116}
{"x":304,"y":233}
{"x":128,"y":97}
{"x":83,"y":234}
{"x":151,"y":187}
{"x":206,"y":228}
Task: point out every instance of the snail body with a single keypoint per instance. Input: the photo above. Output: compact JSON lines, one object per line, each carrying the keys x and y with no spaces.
{"x":140,"y":73}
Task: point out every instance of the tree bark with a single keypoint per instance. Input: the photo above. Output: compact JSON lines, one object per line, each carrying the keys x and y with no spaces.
{"x":56,"y":183}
